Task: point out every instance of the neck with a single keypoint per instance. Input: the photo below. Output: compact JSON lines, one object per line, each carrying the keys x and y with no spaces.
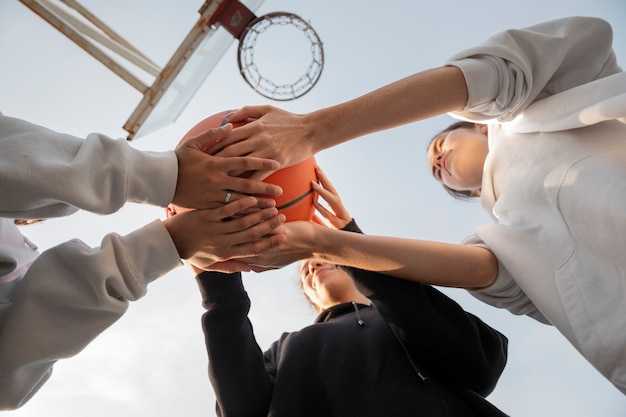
{"x":355,"y":296}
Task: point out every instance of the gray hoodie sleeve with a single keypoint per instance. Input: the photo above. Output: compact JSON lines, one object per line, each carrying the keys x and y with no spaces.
{"x":49,"y":174}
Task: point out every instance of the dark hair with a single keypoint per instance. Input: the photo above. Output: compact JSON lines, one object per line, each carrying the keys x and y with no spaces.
{"x":460,"y":195}
{"x":26,"y":222}
{"x":306,"y":296}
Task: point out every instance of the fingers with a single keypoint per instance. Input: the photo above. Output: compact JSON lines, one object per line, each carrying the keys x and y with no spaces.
{"x":260,"y":246}
{"x":323,"y":211}
{"x":254,"y":226}
{"x":234,"y":207}
{"x":230,"y":144}
{"x":248,"y":112}
{"x":237,"y":143}
{"x":209,"y":138}
{"x":228,"y":267}
{"x":250,"y":163}
{"x":262,"y":269}
{"x":338,"y":215}
{"x":324,"y":193}
{"x":323,"y":179}
{"x":248,"y":185}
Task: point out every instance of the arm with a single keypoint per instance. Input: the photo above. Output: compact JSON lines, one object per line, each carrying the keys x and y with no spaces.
{"x":290,"y":138}
{"x":428,"y":262}
{"x":237,"y":367}
{"x":454,"y":345}
{"x":499,"y":78}
{"x":415,"y":260}
{"x":69,"y":295}
{"x":48,"y":174}
{"x":450,"y":343}
{"x":517,"y":67}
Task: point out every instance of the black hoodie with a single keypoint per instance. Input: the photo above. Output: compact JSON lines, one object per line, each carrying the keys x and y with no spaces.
{"x":415,"y":352}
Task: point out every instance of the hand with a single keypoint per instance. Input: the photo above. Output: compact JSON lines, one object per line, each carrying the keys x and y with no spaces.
{"x":338,"y":216}
{"x":211,"y":236}
{"x":226,"y":267}
{"x":204,"y":180}
{"x":299,"y":240}
{"x":276,"y":134}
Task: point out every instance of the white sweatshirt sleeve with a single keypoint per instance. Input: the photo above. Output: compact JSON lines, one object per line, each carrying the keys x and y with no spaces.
{"x":505,"y":292}
{"x":53,"y":305}
{"x":512,"y":69}
{"x":48,"y":174}
{"x":70,"y":294}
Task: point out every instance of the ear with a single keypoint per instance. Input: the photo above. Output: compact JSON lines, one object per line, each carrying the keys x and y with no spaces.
{"x":170,"y":212}
{"x":484,"y":129}
{"x":475,"y":193}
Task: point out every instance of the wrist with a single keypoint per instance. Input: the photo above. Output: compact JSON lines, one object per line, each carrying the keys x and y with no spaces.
{"x":322,"y":244}
{"x":319,"y":131}
{"x":173,"y":225}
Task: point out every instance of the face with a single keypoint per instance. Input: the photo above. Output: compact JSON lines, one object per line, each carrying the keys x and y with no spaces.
{"x":324,"y":283}
{"x":456,"y":158}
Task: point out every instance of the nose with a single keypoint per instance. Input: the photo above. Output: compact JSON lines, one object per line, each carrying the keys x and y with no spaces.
{"x":314,"y":265}
{"x":435,"y":159}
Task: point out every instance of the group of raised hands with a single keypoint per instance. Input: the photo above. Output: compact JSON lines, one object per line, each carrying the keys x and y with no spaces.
{"x":217,"y":220}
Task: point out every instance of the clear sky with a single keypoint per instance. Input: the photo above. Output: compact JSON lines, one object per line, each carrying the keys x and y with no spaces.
{"x":153,"y":362}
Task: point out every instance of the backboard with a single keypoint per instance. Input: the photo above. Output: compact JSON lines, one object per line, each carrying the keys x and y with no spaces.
{"x":190,"y":66}
{"x":217,"y":28}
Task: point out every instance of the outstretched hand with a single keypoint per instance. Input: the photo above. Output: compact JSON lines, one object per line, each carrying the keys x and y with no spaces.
{"x":204,"y":180}
{"x":299,"y":239}
{"x":215,"y":239}
{"x":274,"y":134}
{"x":337,"y":214}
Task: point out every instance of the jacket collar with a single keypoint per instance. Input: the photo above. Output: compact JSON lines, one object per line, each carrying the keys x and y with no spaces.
{"x":339,"y":310}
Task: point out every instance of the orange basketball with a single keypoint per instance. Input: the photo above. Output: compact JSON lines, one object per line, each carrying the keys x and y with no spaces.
{"x":296,"y":201}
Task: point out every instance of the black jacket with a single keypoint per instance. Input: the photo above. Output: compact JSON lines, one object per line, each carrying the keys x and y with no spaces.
{"x":415,"y":352}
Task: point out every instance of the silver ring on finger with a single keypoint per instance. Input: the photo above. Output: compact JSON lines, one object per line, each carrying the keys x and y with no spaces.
{"x":229,"y":195}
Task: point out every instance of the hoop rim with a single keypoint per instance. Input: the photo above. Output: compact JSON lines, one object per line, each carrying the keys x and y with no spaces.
{"x":258,"y":85}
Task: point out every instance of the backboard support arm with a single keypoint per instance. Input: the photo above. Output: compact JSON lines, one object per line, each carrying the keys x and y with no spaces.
{"x":79,"y":33}
{"x":231,"y":14}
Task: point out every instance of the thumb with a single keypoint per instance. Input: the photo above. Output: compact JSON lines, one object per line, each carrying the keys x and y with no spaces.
{"x":209,"y":137}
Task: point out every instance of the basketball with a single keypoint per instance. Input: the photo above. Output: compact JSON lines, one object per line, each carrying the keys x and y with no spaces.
{"x":296,"y":201}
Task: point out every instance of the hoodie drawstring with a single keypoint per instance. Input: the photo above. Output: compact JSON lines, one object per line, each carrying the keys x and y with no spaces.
{"x":359,"y":320}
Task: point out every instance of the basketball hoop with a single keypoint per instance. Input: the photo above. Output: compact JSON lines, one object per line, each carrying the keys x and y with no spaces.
{"x":261,"y":83}
{"x":244,"y":25}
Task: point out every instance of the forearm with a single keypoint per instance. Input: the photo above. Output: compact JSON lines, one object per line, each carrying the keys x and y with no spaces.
{"x":427,"y":262}
{"x":71,"y":294}
{"x":417,"y":97}
{"x":49,"y":174}
{"x":236,"y":364}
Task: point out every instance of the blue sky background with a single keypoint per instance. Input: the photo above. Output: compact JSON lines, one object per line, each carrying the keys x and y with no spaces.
{"x":152,"y":362}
